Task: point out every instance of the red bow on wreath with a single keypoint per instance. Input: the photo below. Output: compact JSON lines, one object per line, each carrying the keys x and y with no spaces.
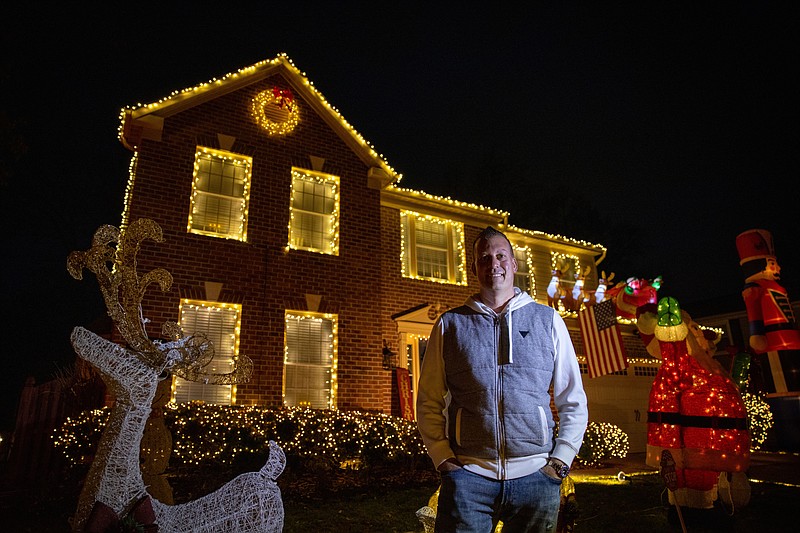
{"x":141,"y":517}
{"x":284,"y":98}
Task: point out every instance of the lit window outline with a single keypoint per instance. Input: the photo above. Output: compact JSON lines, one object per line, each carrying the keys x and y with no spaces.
{"x":529,"y":266}
{"x":456,"y":258}
{"x":333,"y":380}
{"x":556,"y":258}
{"x":333,"y":227}
{"x":227,"y":157}
{"x":237,"y":329}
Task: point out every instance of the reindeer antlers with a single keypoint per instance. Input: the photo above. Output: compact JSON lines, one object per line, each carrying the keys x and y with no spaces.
{"x":123,"y":292}
{"x":116,"y":274}
{"x":606,"y":278}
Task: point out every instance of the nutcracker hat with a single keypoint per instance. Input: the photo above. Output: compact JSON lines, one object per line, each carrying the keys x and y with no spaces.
{"x":754,"y":244}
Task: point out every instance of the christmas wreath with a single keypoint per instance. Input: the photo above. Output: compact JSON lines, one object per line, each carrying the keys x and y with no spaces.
{"x":276,"y":111}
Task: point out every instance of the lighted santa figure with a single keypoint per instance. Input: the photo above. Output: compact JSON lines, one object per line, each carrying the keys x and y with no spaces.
{"x":695,"y":410}
{"x":772,"y":324}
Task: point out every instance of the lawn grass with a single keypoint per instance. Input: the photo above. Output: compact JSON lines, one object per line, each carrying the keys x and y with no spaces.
{"x":638,"y":506}
{"x":603,"y":506}
{"x":641,"y":506}
{"x":389,"y":511}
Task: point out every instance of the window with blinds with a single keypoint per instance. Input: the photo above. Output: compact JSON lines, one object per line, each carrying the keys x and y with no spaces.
{"x":220,"y":323}
{"x":314,"y":212}
{"x":309,"y":369}
{"x":433,"y":248}
{"x":220,"y":194}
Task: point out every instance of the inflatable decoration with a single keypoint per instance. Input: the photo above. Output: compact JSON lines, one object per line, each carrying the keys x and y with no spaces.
{"x":580,"y":294}
{"x":772,"y":323}
{"x":556,"y":292}
{"x":633,"y":293}
{"x":602,"y":284}
{"x":114,"y":491}
{"x":695,"y":410}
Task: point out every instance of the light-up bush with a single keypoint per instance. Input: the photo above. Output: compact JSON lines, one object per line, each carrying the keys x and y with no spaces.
{"x":601,"y":442}
{"x":217,"y":434}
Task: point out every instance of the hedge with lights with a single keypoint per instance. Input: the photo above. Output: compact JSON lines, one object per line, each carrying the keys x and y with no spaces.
{"x":209,"y":434}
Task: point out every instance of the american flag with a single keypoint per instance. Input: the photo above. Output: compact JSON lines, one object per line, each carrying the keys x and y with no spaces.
{"x":602,"y":341}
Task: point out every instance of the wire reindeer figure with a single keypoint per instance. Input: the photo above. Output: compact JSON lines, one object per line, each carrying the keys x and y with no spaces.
{"x":114,"y":489}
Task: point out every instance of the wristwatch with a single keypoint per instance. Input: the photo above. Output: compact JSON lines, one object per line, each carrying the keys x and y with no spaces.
{"x":561,"y":468}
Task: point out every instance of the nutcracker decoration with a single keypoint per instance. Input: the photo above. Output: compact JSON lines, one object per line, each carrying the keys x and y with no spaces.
{"x":774,"y":336}
{"x":769,"y":312}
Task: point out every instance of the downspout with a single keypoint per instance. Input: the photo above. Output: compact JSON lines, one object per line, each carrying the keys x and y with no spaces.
{"x":602,"y":256}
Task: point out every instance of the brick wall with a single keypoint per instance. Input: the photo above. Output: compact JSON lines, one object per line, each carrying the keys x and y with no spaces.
{"x":362,"y":285}
{"x":401,"y":294}
{"x":261,"y":274}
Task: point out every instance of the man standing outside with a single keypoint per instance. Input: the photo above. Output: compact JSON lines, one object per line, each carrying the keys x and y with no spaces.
{"x":483,"y":406}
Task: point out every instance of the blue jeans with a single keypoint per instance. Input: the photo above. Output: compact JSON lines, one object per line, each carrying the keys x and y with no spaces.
{"x":469,"y":503}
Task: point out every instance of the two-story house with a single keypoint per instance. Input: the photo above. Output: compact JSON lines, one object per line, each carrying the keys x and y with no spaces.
{"x":291,"y":241}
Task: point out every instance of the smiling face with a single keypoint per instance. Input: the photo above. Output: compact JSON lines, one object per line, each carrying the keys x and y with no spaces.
{"x":495,"y":266}
{"x":773,"y":270}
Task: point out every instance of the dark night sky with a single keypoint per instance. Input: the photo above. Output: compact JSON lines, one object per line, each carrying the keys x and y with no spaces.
{"x":660,"y":132}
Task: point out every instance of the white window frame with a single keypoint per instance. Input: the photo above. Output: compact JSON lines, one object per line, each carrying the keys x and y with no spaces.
{"x":223,"y":324}
{"x":524,"y":268}
{"x":214,"y":226}
{"x":329,"y":220}
{"x":454,"y":235}
{"x":325,"y":367}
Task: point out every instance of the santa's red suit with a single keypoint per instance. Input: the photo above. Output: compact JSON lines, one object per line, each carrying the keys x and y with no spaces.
{"x":695,"y":410}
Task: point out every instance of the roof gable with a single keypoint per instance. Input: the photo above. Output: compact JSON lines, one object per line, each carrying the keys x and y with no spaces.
{"x":145,"y":121}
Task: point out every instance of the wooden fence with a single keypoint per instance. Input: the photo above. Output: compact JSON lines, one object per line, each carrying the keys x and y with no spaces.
{"x":33,"y":461}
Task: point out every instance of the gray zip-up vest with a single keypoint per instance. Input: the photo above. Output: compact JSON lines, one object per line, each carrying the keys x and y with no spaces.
{"x":499,"y":409}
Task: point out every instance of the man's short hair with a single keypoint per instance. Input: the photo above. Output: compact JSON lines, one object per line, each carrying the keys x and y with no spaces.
{"x":489,"y":232}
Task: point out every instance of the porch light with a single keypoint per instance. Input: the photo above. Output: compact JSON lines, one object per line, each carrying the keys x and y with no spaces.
{"x":389,"y":357}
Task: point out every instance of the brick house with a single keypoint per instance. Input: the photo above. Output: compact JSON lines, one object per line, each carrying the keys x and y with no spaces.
{"x":291,"y":241}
